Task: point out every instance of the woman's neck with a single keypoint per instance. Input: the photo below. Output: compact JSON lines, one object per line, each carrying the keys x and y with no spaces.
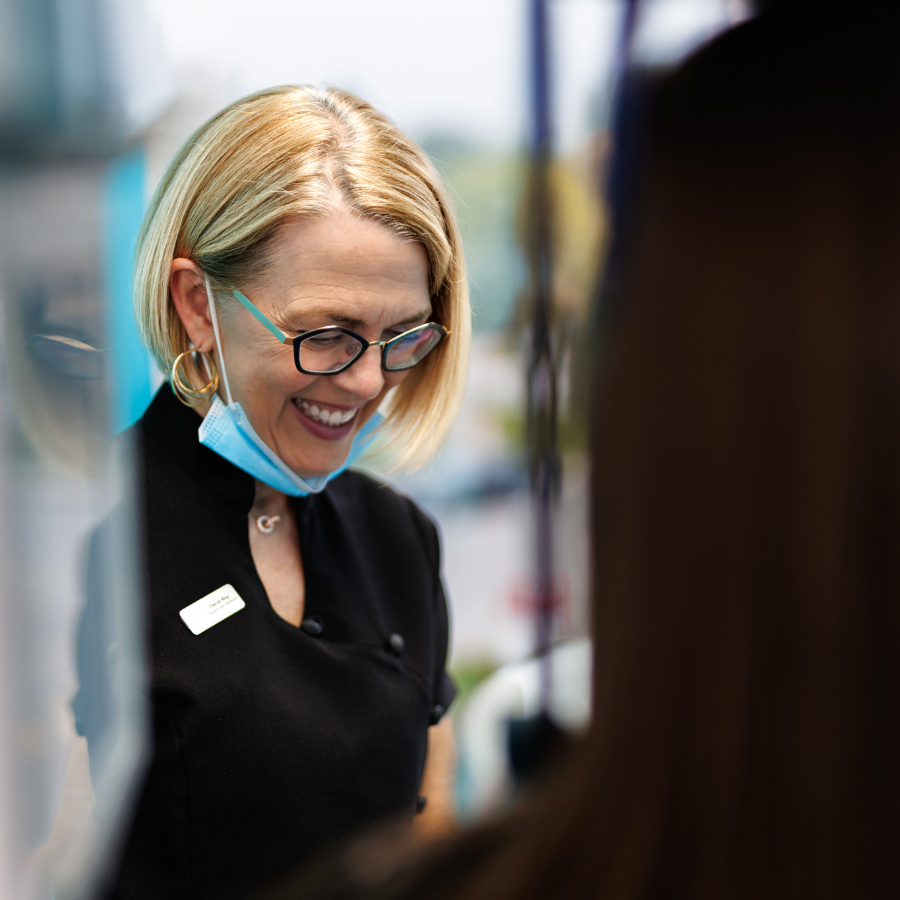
{"x":268,"y":501}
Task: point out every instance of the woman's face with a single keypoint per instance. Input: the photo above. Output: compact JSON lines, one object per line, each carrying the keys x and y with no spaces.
{"x":339,"y":270}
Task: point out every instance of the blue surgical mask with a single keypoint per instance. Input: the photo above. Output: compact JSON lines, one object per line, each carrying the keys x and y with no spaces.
{"x":226,"y":430}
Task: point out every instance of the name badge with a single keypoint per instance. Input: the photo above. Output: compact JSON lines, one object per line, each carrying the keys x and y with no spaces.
{"x":211,"y":609}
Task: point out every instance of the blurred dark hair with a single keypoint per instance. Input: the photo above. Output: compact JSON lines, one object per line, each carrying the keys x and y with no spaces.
{"x":747,"y":485}
{"x":746,"y":503}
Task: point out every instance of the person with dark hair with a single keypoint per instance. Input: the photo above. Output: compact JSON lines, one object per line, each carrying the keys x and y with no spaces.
{"x":746,"y":502}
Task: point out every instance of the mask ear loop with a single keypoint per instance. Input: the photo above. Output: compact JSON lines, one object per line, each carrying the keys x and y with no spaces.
{"x":215,"y":324}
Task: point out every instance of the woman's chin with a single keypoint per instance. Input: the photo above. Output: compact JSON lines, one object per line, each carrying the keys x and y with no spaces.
{"x":317,"y":468}
{"x":317,"y":456}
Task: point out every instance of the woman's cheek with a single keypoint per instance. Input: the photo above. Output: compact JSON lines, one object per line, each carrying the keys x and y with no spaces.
{"x":281,"y":378}
{"x":393,"y":379}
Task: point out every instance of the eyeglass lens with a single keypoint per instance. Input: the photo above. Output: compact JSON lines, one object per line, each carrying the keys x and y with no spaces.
{"x":411,"y":348}
{"x":334,"y":350}
{"x":328,"y":352}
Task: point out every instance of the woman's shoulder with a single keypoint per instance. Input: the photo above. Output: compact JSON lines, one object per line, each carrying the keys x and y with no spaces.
{"x":176,"y":473}
{"x":365,"y":488}
{"x":382,"y":506}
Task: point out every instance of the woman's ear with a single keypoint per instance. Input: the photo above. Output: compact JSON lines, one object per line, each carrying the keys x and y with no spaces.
{"x":188,"y":290}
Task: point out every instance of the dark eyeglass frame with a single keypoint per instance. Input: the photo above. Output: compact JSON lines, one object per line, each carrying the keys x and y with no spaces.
{"x":298,"y":339}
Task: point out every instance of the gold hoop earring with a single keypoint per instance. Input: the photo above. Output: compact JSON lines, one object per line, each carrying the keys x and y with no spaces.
{"x":193,"y":396}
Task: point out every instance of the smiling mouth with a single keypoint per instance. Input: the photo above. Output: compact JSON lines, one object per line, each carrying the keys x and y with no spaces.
{"x":331,"y":417}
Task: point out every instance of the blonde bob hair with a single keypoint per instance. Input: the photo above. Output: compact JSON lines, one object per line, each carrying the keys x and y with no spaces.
{"x":292,"y":152}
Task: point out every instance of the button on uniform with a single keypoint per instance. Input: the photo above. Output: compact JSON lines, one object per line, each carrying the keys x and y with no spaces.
{"x":397,"y":644}
{"x":313,"y":625}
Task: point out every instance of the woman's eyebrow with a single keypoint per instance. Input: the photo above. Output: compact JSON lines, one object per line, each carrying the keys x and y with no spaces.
{"x":423,"y":315}
{"x":352,"y":322}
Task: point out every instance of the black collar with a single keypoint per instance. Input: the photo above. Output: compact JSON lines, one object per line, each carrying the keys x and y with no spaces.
{"x":169,"y":437}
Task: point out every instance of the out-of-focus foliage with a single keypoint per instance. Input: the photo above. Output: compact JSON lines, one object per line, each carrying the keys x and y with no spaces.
{"x":485,"y":184}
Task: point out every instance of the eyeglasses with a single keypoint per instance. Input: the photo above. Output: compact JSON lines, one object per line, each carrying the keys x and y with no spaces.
{"x":329,"y":350}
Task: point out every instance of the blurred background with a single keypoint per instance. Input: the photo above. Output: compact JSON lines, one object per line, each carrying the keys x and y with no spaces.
{"x":96,"y":96}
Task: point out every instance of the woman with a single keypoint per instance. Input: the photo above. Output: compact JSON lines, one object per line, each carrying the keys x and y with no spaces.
{"x":298,"y":264}
{"x":746,"y":501}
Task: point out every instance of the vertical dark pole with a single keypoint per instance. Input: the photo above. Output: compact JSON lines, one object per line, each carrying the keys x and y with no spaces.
{"x":544,"y":458}
{"x":626,"y":37}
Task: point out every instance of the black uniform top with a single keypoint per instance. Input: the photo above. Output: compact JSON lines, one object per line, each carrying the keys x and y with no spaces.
{"x":270,"y":741}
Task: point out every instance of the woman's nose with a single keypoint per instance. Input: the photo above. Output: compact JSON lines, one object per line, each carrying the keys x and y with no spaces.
{"x":365,"y":378}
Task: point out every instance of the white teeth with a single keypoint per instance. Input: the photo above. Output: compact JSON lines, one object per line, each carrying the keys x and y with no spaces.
{"x":326,"y":417}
